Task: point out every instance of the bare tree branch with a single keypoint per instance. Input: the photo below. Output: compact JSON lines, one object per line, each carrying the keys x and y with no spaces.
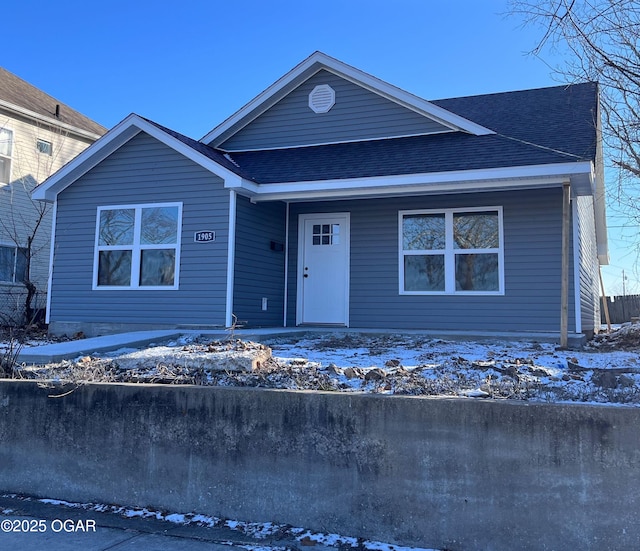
{"x":599,"y":41}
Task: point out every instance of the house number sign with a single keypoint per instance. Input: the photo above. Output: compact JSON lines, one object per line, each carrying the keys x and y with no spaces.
{"x":205,"y":236}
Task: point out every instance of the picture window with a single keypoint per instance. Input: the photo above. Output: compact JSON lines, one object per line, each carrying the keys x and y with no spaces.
{"x":451,"y":251}
{"x":138,"y":247}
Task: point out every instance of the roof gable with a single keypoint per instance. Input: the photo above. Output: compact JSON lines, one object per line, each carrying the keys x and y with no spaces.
{"x":317,"y":62}
{"x":357,"y":114}
{"x":212,"y":160}
{"x":20,"y":96}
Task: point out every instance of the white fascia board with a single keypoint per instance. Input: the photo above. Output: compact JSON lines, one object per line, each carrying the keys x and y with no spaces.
{"x":263,"y":100}
{"x":182,"y":148}
{"x":48,"y":120}
{"x":317,"y":61}
{"x":242,"y":186}
{"x":111,"y":141}
{"x":437,"y":182}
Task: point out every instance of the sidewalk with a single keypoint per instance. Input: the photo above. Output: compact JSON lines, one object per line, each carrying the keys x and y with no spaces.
{"x":56,"y":352}
{"x":60,"y":528}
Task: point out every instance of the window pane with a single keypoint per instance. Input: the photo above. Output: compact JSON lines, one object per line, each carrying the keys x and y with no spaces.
{"x":423,"y":232}
{"x":6,"y":139}
{"x":5,"y":170}
{"x":114,"y":268}
{"x":477,"y":272}
{"x":424,"y":272}
{"x":159,"y":225}
{"x":21,"y":266}
{"x":157,"y":267}
{"x":44,"y":147}
{"x":7,"y":261}
{"x":116,"y":227}
{"x":477,"y":230}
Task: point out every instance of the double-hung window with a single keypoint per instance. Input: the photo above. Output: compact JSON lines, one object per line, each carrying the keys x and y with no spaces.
{"x":138,"y":246}
{"x":13,"y":264}
{"x":452,"y":251}
{"x":6,"y":150}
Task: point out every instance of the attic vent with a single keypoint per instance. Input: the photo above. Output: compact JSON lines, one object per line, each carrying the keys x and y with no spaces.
{"x":322,"y":98}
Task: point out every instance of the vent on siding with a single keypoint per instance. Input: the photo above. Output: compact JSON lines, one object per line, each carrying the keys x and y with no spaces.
{"x":322,"y":98}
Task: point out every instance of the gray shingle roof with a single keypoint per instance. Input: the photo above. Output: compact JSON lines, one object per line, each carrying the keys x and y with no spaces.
{"x":559,"y":117}
{"x":532,"y":127}
{"x":542,"y":126}
{"x":18,"y":92}
{"x":218,"y":156}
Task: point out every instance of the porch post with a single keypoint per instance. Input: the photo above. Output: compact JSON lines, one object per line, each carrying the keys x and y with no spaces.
{"x":286,"y":266}
{"x":564,"y":293}
{"x":231,"y":258}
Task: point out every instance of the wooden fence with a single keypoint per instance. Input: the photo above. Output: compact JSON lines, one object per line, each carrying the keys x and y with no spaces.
{"x":621,"y":308}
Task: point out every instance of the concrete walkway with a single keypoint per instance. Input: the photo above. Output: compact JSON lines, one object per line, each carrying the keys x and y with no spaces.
{"x":30,"y":525}
{"x":56,"y":352}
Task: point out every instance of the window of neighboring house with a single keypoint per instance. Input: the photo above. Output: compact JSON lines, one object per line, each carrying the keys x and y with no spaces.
{"x":138,"y":246}
{"x":6,"y":150}
{"x":13,"y":264}
{"x":44,"y":147}
{"x":451,"y":251}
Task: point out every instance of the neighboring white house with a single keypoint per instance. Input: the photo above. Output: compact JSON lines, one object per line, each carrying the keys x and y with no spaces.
{"x":38,"y":135}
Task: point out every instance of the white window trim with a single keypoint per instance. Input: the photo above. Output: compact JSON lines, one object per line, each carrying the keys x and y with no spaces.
{"x":450,"y":253}
{"x":10,"y":157}
{"x":136,"y":248}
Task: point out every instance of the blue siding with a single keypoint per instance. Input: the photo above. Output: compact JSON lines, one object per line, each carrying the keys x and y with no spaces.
{"x":588,"y":273}
{"x":259,"y":270}
{"x":142,"y":171}
{"x":358,"y":114}
{"x":532,"y":259}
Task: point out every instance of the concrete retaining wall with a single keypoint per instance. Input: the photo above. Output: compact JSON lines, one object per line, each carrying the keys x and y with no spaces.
{"x":443,"y":473}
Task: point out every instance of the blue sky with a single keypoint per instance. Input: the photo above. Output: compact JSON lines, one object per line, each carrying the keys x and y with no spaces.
{"x":189,"y":65}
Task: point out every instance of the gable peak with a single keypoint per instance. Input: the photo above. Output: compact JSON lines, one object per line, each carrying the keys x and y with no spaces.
{"x":316,"y":62}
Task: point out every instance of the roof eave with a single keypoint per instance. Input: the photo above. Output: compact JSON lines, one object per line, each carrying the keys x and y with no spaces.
{"x":580,"y":174}
{"x":51,"y":121}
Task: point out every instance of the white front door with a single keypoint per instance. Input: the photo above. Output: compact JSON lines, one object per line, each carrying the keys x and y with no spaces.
{"x":323,"y":269}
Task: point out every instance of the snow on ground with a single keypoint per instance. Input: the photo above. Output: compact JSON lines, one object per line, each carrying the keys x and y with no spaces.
{"x":275,"y":533}
{"x":606,"y":371}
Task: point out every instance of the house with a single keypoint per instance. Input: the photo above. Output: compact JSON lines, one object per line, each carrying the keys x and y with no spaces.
{"x":38,"y":135}
{"x":336,"y":199}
